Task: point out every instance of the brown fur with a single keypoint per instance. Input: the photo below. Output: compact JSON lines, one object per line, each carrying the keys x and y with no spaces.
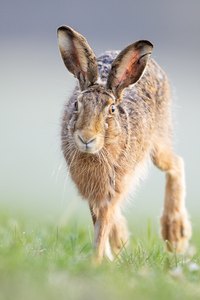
{"x":104,"y":149}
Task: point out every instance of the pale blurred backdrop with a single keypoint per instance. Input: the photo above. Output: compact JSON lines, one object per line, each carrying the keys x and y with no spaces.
{"x":34,"y":85}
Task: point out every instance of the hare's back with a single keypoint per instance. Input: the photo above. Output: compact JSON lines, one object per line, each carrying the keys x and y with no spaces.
{"x":104,"y":63}
{"x":153,"y":74}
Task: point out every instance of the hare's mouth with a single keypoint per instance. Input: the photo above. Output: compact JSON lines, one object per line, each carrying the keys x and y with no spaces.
{"x":89,"y":151}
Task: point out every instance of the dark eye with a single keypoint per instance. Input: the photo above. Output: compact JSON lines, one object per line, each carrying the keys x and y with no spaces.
{"x":112,"y":109}
{"x":76,"y":105}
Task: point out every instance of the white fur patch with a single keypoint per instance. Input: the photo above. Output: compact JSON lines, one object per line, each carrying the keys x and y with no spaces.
{"x":140,"y":173}
{"x":100,"y":81}
{"x":65,"y":43}
{"x":108,"y":252}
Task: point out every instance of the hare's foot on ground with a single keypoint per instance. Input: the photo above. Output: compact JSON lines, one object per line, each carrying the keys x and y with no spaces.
{"x":176,"y":231}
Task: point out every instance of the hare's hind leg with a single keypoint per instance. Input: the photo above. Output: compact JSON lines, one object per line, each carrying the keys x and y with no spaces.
{"x":175,"y":226}
{"x":119,"y":233}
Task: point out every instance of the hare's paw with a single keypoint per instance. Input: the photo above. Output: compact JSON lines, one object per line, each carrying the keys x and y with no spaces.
{"x":176,"y":231}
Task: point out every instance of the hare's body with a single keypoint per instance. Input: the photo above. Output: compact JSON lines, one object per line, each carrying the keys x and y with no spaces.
{"x":140,"y":112}
{"x":107,"y":135}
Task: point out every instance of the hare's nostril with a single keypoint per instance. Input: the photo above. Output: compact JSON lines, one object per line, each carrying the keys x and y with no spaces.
{"x":91,"y":140}
{"x":81,"y":139}
{"x":86,"y":142}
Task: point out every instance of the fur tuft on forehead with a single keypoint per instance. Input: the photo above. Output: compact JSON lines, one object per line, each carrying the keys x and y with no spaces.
{"x":99,"y":89}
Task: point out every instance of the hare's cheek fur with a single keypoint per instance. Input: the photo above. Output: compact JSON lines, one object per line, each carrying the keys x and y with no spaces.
{"x":113,"y":130}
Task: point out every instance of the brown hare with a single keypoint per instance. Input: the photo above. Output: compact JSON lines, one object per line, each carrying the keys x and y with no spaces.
{"x":117,"y":118}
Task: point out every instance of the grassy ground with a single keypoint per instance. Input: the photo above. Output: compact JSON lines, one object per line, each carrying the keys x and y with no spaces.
{"x":44,"y":261}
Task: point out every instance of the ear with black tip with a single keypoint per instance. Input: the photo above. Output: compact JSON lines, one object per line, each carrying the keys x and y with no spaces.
{"x":128,"y":66}
{"x":77,"y":55}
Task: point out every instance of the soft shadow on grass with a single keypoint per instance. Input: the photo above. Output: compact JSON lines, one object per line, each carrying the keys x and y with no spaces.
{"x":40,"y":260}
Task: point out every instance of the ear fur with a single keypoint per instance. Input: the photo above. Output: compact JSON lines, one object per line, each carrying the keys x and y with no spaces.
{"x":77,"y":55}
{"x":128,"y":66}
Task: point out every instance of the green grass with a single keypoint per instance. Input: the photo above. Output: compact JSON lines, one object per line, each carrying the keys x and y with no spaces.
{"x":40,"y":260}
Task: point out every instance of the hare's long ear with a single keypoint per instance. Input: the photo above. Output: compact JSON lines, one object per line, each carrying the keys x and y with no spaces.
{"x":77,"y":55}
{"x":128,"y":66}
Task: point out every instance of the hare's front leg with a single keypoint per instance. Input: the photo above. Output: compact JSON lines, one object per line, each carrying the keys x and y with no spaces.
{"x":175,"y":226}
{"x":103,"y":220}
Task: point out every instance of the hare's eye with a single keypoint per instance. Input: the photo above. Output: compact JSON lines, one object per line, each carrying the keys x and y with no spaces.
{"x":112,"y":109}
{"x":76,"y":105}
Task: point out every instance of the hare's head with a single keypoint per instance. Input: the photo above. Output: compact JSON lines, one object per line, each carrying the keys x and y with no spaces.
{"x":97,"y":108}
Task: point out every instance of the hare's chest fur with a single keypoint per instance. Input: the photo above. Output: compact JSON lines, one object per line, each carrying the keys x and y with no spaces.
{"x":94,"y":177}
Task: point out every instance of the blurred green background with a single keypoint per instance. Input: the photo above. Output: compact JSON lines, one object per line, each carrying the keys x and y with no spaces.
{"x":34,"y":85}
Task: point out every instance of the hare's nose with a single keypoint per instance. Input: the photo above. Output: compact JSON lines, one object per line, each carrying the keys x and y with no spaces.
{"x":87,"y":142}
